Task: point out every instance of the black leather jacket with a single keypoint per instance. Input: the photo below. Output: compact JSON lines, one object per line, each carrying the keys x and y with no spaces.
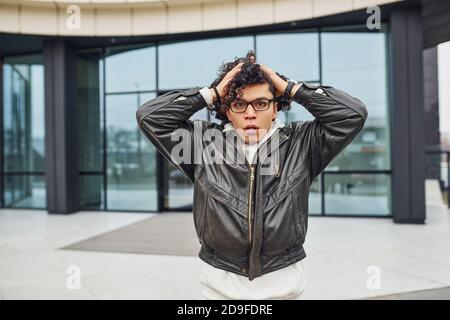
{"x":248,"y":223}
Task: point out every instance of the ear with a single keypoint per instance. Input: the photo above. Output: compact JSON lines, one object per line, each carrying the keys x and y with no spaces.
{"x":227,"y":113}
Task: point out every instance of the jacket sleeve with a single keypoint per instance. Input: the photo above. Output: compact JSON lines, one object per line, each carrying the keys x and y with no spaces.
{"x":339,"y":117}
{"x":160,"y":117}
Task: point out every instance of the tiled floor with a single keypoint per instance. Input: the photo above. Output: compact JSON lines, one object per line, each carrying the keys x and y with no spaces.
{"x":339,"y":251}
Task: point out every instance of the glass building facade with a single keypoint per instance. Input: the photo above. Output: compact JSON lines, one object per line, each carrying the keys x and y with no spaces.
{"x":23,"y":133}
{"x":121,"y":170}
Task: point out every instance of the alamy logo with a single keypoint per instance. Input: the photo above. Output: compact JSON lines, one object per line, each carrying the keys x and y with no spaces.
{"x":374,"y":20}
{"x":374,"y":280}
{"x":213,"y":147}
{"x":73,"y":21}
{"x":74,"y":278}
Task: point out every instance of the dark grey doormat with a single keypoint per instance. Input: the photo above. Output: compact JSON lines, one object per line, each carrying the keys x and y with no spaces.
{"x":429,"y":294}
{"x":166,"y":233}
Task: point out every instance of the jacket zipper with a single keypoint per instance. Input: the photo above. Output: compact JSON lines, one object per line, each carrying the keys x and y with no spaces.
{"x":250,"y":201}
{"x":277,"y":170}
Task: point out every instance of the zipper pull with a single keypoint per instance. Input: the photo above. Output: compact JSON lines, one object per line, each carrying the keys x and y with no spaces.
{"x":277,"y":170}
{"x":252,"y":173}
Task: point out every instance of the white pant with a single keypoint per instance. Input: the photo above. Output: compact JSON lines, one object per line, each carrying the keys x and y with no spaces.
{"x":287,"y":283}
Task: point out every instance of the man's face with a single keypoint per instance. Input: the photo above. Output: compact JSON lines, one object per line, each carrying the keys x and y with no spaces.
{"x":253,"y":125}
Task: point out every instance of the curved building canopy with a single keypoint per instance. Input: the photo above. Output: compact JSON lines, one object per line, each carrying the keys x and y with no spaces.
{"x":153,"y":17}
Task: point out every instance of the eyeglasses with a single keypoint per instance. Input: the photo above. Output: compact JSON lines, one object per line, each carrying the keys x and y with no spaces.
{"x":240,"y":106}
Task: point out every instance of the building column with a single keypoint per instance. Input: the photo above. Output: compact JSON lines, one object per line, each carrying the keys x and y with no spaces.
{"x":407,"y":116}
{"x":61,"y":127}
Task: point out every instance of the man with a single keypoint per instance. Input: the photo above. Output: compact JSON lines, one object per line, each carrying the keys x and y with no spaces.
{"x":251,"y":216}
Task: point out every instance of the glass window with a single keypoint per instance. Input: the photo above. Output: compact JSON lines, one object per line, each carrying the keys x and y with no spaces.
{"x":296,"y":112}
{"x":25,"y":191}
{"x":131,"y":159}
{"x":357,"y":194}
{"x":90,"y":111}
{"x":348,"y":59}
{"x":130,"y":69}
{"x":294,"y":55}
{"x":23,"y":114}
{"x":315,"y":198}
{"x":180,"y":190}
{"x":92,"y":192}
{"x":195,"y":63}
{"x":356,"y":63}
{"x":23,"y":132}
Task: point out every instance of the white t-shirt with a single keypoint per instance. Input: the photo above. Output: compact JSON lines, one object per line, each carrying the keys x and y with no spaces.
{"x":285,"y":283}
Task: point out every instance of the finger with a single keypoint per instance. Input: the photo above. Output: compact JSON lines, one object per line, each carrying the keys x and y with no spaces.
{"x":237,"y":67}
{"x":264,"y":68}
{"x":234,"y":71}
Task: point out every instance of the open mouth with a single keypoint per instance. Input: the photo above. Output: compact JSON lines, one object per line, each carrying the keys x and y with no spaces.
{"x":251,"y":129}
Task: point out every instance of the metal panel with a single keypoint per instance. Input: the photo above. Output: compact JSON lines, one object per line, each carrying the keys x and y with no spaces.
{"x":408,"y":133}
{"x":61,"y":126}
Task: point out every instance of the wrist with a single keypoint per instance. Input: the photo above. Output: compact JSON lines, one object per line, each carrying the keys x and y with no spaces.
{"x":289,"y":89}
{"x":213,"y":94}
{"x":295,"y":89}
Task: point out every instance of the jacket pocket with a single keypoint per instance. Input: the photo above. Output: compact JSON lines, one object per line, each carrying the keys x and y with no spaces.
{"x":284,"y":190}
{"x":280,"y":229}
{"x":225,"y":230}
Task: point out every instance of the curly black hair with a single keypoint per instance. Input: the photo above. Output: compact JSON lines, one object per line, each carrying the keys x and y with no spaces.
{"x":250,"y":73}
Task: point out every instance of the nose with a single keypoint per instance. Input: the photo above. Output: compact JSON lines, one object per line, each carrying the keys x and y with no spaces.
{"x":250,"y":113}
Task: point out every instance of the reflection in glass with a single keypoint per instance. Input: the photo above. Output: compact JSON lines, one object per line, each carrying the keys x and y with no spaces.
{"x":90,"y":110}
{"x":195,"y":63}
{"x":294,"y":55}
{"x":91,"y":192}
{"x":130,"y":69}
{"x":181,"y":191}
{"x":23,"y":132}
{"x":23,"y":114}
{"x":131,"y":160}
{"x":356,"y":63}
{"x":357,"y":194}
{"x":25,"y":191}
{"x":347,"y":59}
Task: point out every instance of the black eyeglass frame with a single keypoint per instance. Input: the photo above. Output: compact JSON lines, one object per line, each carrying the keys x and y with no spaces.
{"x":251,"y":102}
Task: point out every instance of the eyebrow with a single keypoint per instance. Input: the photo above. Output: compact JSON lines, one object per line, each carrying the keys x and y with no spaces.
{"x":253,"y":99}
